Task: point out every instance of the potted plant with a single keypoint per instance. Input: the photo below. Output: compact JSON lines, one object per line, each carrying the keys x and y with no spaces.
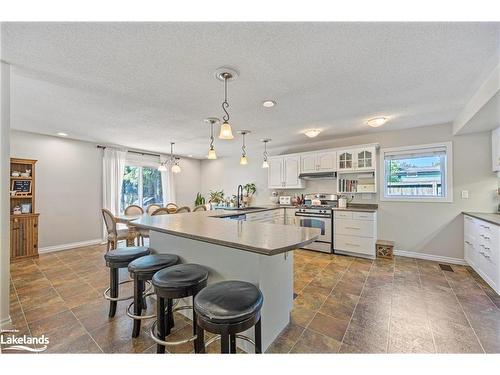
{"x":200,"y":199}
{"x":248,"y":191}
{"x":216,"y":197}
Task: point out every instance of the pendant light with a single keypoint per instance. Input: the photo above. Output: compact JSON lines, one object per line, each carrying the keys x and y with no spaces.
{"x":265,"y":164}
{"x":225,"y":74}
{"x":174,"y":161}
{"x":211,"y":151}
{"x":162,"y":167}
{"x":243,"y":158}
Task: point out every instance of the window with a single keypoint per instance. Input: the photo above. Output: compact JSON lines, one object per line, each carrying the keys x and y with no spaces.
{"x":141,"y":186}
{"x":418,"y":173}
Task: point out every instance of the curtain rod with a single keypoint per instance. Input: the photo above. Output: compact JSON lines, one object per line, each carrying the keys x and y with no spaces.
{"x":134,"y":152}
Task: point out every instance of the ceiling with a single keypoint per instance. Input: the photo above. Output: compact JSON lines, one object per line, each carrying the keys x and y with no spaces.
{"x":143,"y":85}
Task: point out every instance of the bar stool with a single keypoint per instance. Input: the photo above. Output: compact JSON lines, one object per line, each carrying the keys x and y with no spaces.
{"x":142,"y":270}
{"x":116,"y":259}
{"x":183,"y":280}
{"x":227,"y":308}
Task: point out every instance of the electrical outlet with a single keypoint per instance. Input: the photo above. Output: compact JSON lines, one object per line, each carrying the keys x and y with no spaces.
{"x":465,"y":194}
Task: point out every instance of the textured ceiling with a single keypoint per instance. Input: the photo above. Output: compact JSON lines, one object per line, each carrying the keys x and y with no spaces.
{"x":143,"y":85}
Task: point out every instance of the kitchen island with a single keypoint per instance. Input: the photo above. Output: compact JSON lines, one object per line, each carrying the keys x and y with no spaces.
{"x":260,"y":253}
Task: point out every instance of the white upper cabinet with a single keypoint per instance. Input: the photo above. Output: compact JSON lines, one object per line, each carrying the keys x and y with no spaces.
{"x":318,"y":162}
{"x":283,"y":172}
{"x":495,"y":149}
{"x":358,"y":159}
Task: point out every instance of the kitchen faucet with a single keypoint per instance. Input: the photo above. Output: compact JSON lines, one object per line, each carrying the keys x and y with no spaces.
{"x":239,"y":202}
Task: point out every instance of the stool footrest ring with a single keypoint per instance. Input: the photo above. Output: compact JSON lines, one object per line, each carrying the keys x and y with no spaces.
{"x":238,"y":336}
{"x":167,"y":343}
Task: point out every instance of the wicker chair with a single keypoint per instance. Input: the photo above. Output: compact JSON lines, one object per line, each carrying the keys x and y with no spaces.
{"x":201,"y":207}
{"x":183,"y":209}
{"x":152,"y":208}
{"x":138,"y":210}
{"x":115,"y":233}
{"x":161,"y":211}
{"x":172,"y":208}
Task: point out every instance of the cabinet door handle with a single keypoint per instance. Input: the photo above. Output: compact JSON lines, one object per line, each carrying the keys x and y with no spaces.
{"x":352,"y":244}
{"x":356,"y":228}
{"x":468,"y":243}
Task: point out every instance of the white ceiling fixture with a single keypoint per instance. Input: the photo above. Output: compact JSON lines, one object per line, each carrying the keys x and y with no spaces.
{"x":62,"y":134}
{"x":268,"y":103}
{"x":212,"y":155}
{"x":243,"y":158}
{"x":173,"y":162}
{"x":377,"y":121}
{"x":226,"y":74}
{"x":265,"y":164}
{"x":311,"y":133}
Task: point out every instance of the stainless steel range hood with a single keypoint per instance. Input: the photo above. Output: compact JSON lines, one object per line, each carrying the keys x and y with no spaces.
{"x":318,"y":176}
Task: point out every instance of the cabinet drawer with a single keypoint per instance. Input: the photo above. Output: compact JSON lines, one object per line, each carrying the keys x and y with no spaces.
{"x":469,"y":226}
{"x":363,"y":216}
{"x":354,"y":244}
{"x":343,"y":214}
{"x":361,"y":228}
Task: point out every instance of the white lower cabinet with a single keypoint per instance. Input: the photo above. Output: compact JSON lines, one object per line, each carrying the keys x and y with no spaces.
{"x":355,"y":233}
{"x":482,"y":249}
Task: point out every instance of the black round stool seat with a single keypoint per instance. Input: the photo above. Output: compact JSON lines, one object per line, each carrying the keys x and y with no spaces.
{"x":121,"y":257}
{"x":228,"y":302}
{"x":181,"y":280}
{"x":150,"y":264}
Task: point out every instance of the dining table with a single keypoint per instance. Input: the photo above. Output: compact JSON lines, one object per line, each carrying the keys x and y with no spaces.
{"x":132,"y":230}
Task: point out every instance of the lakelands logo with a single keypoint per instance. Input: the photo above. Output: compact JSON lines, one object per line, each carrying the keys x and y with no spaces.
{"x":10,"y":341}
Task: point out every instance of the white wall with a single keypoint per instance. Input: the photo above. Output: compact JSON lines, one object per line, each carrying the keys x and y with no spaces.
{"x":429,"y":228}
{"x":69,"y":186}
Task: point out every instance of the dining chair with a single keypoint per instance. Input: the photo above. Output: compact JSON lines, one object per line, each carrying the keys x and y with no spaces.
{"x":134,"y":209}
{"x":152,"y":208}
{"x":201,"y":207}
{"x":161,"y":211}
{"x":115,"y":233}
{"x":172,"y":207}
{"x":183,"y":209}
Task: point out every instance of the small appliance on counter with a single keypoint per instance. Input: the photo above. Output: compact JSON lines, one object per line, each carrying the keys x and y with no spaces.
{"x":342,"y":202}
{"x":274,"y":198}
{"x":285,"y":200}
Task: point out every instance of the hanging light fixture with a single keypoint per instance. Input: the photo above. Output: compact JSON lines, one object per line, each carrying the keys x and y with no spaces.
{"x":243,"y":158}
{"x":265,"y":164}
{"x":174,"y":161}
{"x":211,"y":151}
{"x":162,"y":167}
{"x":225,"y":74}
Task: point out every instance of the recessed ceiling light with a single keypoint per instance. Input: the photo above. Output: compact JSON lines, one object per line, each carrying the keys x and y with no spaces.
{"x":377,"y":121}
{"x":268,"y":103}
{"x":311,"y":133}
{"x":62,"y":134}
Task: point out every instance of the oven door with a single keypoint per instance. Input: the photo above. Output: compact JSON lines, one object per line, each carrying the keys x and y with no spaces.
{"x":324,"y":224}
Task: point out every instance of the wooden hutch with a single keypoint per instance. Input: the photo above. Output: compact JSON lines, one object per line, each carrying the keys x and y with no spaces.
{"x":23,"y":217}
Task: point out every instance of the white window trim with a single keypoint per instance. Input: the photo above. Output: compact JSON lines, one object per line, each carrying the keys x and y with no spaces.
{"x":448,"y":177}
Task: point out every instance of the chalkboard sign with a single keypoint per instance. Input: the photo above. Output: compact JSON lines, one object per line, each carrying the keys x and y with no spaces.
{"x":22,"y":186}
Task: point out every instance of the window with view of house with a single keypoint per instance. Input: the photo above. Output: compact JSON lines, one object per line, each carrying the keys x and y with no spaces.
{"x":141,"y":186}
{"x":417,"y":173}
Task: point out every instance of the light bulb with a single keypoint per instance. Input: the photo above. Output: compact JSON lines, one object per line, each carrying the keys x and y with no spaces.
{"x":176,"y":168}
{"x":243,"y":160}
{"x":225,"y":131}
{"x":377,"y":121}
{"x":311,"y":133}
{"x":162,"y":167}
{"x":265,"y":164}
{"x":211,"y":154}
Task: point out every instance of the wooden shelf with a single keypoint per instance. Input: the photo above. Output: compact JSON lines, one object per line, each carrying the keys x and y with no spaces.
{"x":21,"y":196}
{"x":20,"y":178}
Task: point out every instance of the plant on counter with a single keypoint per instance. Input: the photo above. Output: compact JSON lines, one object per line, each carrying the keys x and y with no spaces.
{"x":216,"y":196}
{"x":249,"y":189}
{"x":200,"y":200}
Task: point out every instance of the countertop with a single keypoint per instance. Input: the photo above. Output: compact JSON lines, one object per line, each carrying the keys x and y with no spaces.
{"x":358,"y":207}
{"x":215,"y":227}
{"x":489,"y":217}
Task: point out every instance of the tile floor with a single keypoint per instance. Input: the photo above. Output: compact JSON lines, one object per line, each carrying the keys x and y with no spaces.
{"x":343,"y":305}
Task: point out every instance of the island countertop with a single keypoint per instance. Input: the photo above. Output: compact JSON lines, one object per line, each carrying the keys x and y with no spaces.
{"x":212,"y":227}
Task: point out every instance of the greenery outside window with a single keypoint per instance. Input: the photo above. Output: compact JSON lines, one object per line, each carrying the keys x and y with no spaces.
{"x":417,"y":173}
{"x":141,"y":186}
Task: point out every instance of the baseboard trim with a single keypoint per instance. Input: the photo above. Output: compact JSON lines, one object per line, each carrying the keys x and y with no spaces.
{"x":436,"y":258}
{"x":67,"y":246}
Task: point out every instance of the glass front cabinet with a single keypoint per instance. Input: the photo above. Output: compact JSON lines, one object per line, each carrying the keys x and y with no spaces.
{"x":345,"y":160}
{"x":356,"y":160}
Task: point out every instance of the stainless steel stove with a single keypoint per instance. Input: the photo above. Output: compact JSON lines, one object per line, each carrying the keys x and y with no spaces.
{"x":316,"y":212}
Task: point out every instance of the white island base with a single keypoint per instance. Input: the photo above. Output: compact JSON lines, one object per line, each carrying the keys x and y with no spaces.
{"x":273,"y":274}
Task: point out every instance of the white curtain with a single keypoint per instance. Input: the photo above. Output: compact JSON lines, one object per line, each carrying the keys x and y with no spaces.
{"x":113,"y":167}
{"x":167,"y":183}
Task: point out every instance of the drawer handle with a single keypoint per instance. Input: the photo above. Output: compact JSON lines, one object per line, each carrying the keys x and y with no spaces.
{"x":356,"y":228}
{"x":485,"y":237}
{"x":468,"y":243}
{"x":485,"y":247}
{"x":352,"y":244}
{"x":484,"y":226}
